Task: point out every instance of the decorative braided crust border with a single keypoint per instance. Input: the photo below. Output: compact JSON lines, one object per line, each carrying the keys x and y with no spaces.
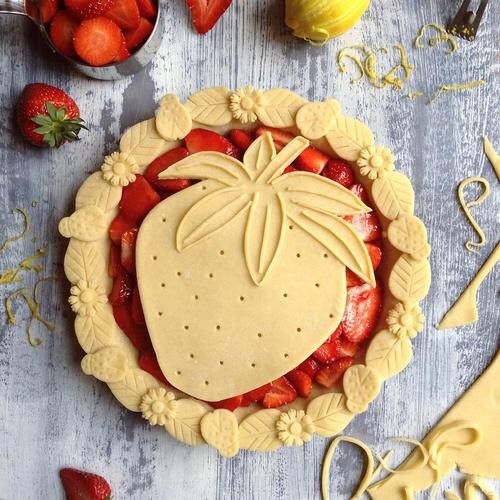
{"x":112,"y":359}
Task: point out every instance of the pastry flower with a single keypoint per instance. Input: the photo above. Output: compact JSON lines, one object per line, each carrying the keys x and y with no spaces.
{"x":405,"y":319}
{"x":119,"y":169}
{"x":86,"y":296}
{"x":294,"y":427}
{"x":244,"y":104}
{"x":158,"y":406}
{"x":375,"y":161}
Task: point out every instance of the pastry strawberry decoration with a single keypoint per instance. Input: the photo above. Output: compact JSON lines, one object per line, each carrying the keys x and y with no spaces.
{"x":293,"y":235}
{"x":47,"y":116}
{"x":80,"y":485}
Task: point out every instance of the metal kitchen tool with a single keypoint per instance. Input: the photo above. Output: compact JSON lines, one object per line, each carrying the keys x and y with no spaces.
{"x":466,"y":22}
{"x":132,"y":65}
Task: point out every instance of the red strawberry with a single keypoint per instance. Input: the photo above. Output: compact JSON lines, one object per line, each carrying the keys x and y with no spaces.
{"x":228,"y":404}
{"x":138,"y":35}
{"x":80,"y":485}
{"x":119,"y":225}
{"x":47,"y":10}
{"x":97,"y":41}
{"x":62,"y":28}
{"x":123,"y":53}
{"x":128,"y":250}
{"x":147,"y":8}
{"x":125,"y":13}
{"x":336,"y":334}
{"x":115,"y":261}
{"x":137,"y":334}
{"x":138,"y":198}
{"x":136,"y":308}
{"x":289,"y":169}
{"x":361,"y":312}
{"x":122,"y":289}
{"x":162,"y":163}
{"x":149,"y":363}
{"x":339,"y":171}
{"x":367,"y":224}
{"x":360,"y":192}
{"x":206,"y":13}
{"x":329,"y":375}
{"x":84,"y":9}
{"x":280,"y":136}
{"x":240,"y":138}
{"x":347,"y":348}
{"x":311,"y":160}
{"x":309,"y":366}
{"x":327,"y":353}
{"x":301,"y":381}
{"x":200,"y":139}
{"x":375,"y":255}
{"x":281,"y":393}
{"x":255,"y":395}
{"x":47,"y":116}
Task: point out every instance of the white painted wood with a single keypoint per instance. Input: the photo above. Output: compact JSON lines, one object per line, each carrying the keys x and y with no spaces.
{"x":51,"y":415}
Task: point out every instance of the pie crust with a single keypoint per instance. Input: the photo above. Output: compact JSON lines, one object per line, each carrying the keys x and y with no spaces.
{"x":405,"y":270}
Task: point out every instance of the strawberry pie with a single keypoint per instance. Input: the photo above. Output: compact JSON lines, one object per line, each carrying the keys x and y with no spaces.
{"x":247,"y":269}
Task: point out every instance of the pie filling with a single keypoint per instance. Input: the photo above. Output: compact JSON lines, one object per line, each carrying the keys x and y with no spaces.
{"x":327,"y":364}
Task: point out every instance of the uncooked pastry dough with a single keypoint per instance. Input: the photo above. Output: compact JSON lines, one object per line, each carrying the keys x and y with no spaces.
{"x":472,"y":446}
{"x":464,"y":311}
{"x":492,"y":155}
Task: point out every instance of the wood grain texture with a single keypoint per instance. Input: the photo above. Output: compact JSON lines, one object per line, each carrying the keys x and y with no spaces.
{"x":51,"y":415}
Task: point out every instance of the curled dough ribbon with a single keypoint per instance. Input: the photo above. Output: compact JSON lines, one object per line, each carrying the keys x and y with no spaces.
{"x":466,"y":205}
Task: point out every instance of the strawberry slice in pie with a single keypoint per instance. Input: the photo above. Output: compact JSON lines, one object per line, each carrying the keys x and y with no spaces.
{"x":246,"y":274}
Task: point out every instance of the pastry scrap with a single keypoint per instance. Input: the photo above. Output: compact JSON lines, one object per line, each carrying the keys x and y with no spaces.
{"x":492,"y":156}
{"x":464,"y":311}
{"x":198,"y":256}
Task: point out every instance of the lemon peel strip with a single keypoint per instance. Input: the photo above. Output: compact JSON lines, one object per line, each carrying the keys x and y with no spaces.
{"x":451,"y":88}
{"x":17,"y":237}
{"x":443,"y":36}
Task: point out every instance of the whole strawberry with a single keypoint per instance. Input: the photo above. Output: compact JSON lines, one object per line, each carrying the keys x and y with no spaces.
{"x":47,"y":116}
{"x":80,"y":485}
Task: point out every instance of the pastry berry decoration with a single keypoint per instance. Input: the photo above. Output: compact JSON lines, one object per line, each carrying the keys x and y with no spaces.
{"x":47,"y":116}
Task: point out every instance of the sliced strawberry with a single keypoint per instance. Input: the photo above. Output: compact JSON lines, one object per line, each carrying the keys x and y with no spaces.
{"x":311,"y":160}
{"x":255,"y":395}
{"x":361,"y":312}
{"x":200,"y":139}
{"x":336,"y":334}
{"x":278,"y":135}
{"x":47,"y":9}
{"x":240,"y":138}
{"x":309,"y":366}
{"x":119,"y":225}
{"x":227,"y":404}
{"x":149,"y":363}
{"x":327,"y":353}
{"x":301,"y":381}
{"x":128,"y":250}
{"x":206,"y":13}
{"x":138,"y":199}
{"x":137,"y":334}
{"x":281,"y":393}
{"x":329,"y":375}
{"x":62,"y":29}
{"x":339,"y":171}
{"x":347,"y":348}
{"x":123,"y":53}
{"x":115,"y":262}
{"x":147,"y":8}
{"x":138,"y":35}
{"x":122,"y":289}
{"x":376,"y":257}
{"x":289,"y":170}
{"x":136,"y":308}
{"x":84,"y":9}
{"x":367,"y":224}
{"x":361,"y":193}
{"x":125,"y":13}
{"x":80,"y":485}
{"x":97,"y":41}
{"x":162,"y":163}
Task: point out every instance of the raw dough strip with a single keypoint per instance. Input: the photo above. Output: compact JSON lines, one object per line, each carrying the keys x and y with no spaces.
{"x":492,"y":155}
{"x":466,"y":205}
{"x":464,"y":311}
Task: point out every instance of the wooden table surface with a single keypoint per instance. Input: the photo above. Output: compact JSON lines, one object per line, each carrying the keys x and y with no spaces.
{"x":51,"y":415}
